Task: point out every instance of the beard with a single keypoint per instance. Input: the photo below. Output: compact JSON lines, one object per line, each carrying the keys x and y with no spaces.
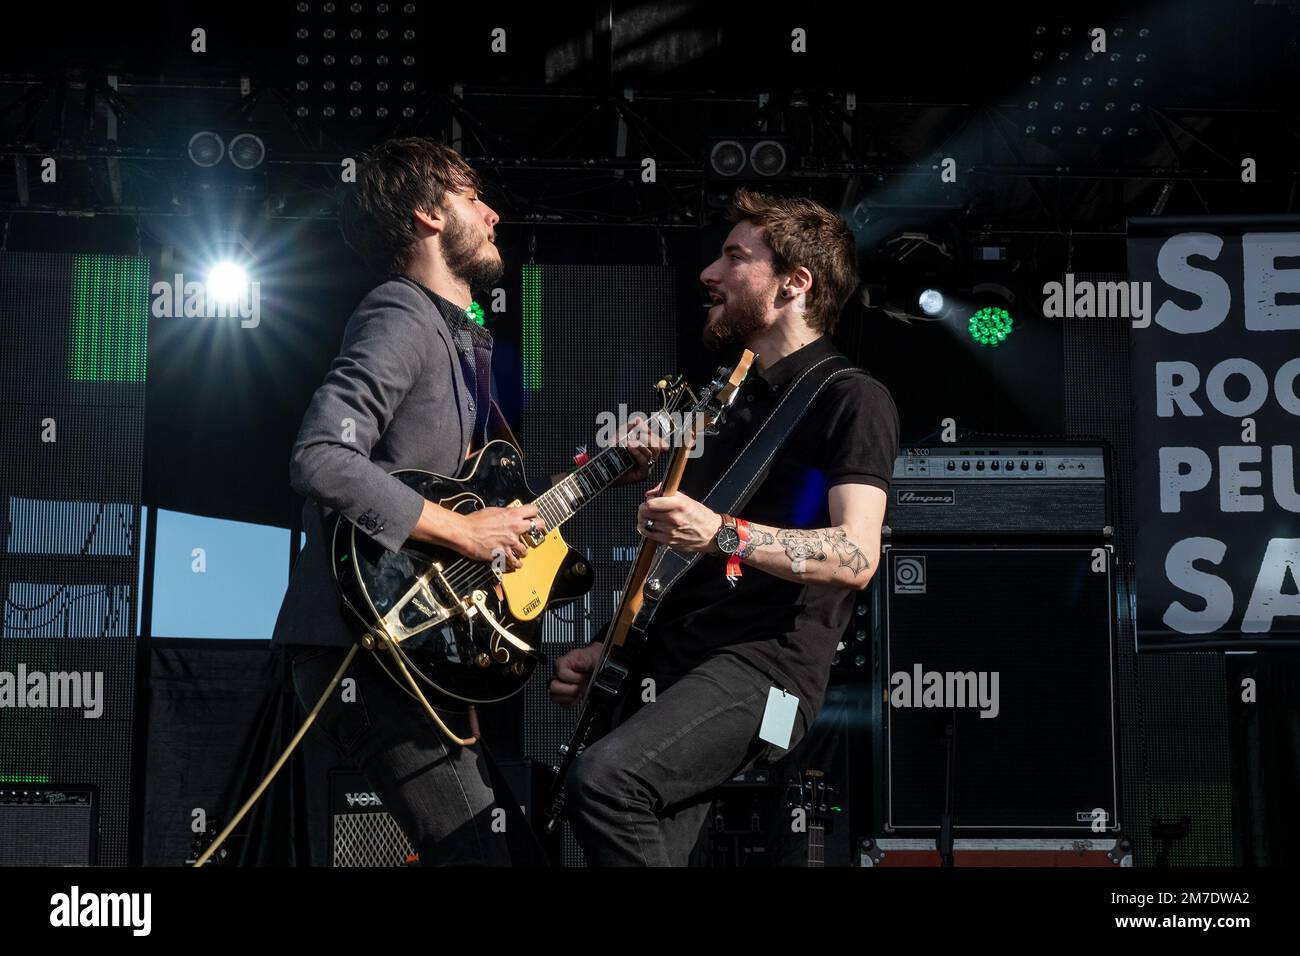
{"x":741,"y":316}
{"x":468,"y":257}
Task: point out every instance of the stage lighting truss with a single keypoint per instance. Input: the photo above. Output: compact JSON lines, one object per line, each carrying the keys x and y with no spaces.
{"x":355,"y":62}
{"x":1077,"y":95}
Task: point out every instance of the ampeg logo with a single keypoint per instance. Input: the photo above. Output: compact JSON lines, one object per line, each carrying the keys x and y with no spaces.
{"x":363,"y":800}
{"x":909,"y":575}
{"x":927,"y":496}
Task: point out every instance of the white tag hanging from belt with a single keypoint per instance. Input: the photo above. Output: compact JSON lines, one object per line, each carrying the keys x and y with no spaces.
{"x":778,"y":717}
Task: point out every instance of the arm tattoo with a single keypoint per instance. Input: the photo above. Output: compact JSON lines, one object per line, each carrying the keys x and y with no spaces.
{"x":800,"y":547}
{"x":804,"y":546}
{"x":850,"y":554}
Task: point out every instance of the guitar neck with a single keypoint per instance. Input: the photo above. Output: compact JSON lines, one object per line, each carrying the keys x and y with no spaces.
{"x":816,"y":846}
{"x":561,"y":502}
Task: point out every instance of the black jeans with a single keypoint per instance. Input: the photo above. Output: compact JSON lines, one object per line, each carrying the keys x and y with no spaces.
{"x":640,"y":795}
{"x":437,"y":792}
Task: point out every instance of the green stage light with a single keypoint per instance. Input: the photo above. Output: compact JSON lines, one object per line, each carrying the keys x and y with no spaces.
{"x":476,"y":312}
{"x":990,"y":325}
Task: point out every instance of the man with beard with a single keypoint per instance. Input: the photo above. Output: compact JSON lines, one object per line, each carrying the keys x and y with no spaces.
{"x":411,"y":388}
{"x":733,"y":652}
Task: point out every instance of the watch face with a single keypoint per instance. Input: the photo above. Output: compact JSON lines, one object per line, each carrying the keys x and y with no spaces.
{"x":728,"y":540}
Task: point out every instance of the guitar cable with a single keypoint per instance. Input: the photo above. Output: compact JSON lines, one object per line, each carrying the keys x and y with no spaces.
{"x":284,"y":758}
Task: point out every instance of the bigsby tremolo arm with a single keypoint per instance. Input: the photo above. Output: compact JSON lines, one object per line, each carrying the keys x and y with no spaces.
{"x":476,"y":604}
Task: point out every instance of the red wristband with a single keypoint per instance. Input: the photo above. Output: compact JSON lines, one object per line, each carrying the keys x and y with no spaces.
{"x":733,"y":562}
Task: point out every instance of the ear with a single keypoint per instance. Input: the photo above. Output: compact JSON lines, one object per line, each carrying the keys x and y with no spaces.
{"x":431,"y":220}
{"x":799,"y":280}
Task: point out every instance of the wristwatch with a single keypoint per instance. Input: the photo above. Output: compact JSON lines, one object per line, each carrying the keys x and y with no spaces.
{"x":728,"y":538}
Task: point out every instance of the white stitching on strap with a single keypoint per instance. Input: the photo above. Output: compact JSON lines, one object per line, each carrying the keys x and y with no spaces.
{"x":788,"y":392}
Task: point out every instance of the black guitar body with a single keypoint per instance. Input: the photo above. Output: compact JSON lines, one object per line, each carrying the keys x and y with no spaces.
{"x":418,"y":595}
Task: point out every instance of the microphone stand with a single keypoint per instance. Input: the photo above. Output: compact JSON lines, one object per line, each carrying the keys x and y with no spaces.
{"x":944,"y":842}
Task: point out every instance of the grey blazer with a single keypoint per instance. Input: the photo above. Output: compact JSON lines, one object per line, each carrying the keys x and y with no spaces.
{"x":395,"y":397}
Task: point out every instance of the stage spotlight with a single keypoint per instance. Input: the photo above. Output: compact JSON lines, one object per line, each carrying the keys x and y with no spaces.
{"x":931,"y":301}
{"x":247,"y":151}
{"x":727,"y":157}
{"x":767,"y":157}
{"x":990,"y":325}
{"x":227,"y":282}
{"x":206,"y":148}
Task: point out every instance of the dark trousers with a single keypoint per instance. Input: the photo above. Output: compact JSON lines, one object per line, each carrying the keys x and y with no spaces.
{"x":640,"y":795}
{"x":439,"y":793}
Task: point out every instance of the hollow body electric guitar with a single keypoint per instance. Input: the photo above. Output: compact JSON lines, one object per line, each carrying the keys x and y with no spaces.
{"x":628,"y":627}
{"x":470,"y":630}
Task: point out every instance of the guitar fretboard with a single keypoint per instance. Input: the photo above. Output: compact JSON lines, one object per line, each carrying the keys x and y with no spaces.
{"x":816,"y":846}
{"x":566,"y":498}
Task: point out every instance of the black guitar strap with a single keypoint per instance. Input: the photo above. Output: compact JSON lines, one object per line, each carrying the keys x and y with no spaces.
{"x":745,"y":474}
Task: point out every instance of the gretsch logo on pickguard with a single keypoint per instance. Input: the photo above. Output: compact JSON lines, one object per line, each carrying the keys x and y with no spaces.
{"x":532,"y":605}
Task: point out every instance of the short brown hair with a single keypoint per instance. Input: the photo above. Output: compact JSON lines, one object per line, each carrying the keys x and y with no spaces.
{"x":805,"y":233}
{"x":394,"y":179}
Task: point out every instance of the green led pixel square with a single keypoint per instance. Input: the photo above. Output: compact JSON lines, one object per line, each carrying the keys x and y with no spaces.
{"x":532,"y":338}
{"x":110,"y":319}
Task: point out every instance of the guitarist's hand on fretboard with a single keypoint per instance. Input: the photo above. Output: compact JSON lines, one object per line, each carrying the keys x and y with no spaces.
{"x":571,"y":674}
{"x":645,"y":444}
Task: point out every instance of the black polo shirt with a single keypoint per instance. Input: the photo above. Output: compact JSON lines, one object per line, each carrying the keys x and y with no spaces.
{"x":786,"y":629}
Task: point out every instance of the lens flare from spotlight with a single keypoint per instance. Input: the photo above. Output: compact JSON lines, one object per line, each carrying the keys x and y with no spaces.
{"x":990,"y":325}
{"x":931,"y":302}
{"x":227,"y":282}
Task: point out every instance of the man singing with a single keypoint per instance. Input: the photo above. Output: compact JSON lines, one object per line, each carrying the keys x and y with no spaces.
{"x":723,"y":650}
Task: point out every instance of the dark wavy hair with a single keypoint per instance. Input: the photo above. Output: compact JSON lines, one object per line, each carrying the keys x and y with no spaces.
{"x":394,"y":179}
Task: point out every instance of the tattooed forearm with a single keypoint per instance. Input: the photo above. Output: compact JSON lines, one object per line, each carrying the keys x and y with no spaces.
{"x":801,"y":546}
{"x":850,"y":555}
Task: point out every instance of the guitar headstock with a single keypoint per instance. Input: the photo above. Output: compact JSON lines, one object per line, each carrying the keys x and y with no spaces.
{"x":812,"y":792}
{"x":721,"y":393}
{"x":673,"y":394}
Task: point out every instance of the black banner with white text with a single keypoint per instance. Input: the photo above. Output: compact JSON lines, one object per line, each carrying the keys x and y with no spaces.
{"x":1216,"y":404}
